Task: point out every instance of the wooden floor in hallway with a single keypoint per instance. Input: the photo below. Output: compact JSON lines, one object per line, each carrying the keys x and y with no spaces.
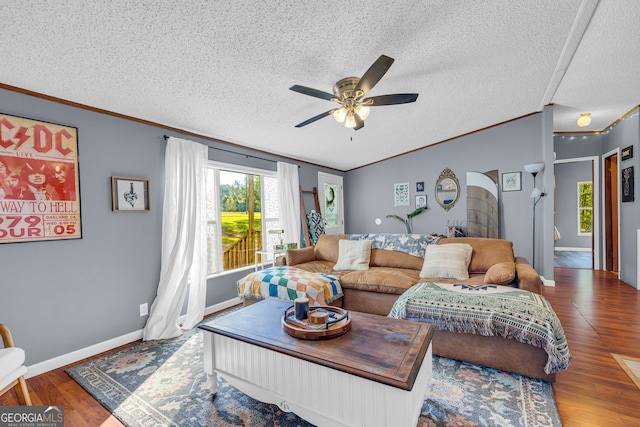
{"x":600,"y":315}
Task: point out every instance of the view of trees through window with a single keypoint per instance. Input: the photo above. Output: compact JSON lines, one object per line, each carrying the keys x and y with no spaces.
{"x":585,"y":208}
{"x":240,"y":203}
{"x":240,"y":206}
{"x":241,"y":218}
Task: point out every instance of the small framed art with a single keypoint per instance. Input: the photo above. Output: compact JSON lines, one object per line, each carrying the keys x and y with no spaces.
{"x":628,"y":193}
{"x":129,"y":194}
{"x":512,"y":181}
{"x":421,"y":201}
{"x":401,"y":194}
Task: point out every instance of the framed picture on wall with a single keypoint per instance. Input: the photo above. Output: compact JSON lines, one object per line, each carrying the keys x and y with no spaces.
{"x":129,"y":194}
{"x":421,"y":201}
{"x":627,"y":184}
{"x":401,"y":194}
{"x":39,"y":181}
{"x":512,"y":181}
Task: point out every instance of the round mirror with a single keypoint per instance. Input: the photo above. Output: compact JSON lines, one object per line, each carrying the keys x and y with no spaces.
{"x":447,"y":189}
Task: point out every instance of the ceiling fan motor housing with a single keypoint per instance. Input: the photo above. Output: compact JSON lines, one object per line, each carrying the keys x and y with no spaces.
{"x":344,"y":88}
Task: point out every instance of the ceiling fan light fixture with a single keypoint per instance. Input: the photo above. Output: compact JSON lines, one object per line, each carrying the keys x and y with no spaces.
{"x":363,"y":111}
{"x":350,"y":121}
{"x":340,"y":114}
{"x":349,"y":94}
{"x":584,"y":120}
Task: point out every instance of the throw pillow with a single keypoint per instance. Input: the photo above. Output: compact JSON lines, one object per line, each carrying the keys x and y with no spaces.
{"x":486,"y":251}
{"x":298,"y":256}
{"x":353,"y":255}
{"x":501,"y":273}
{"x":447,"y":261}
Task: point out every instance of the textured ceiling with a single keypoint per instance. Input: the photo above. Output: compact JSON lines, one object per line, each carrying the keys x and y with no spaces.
{"x":223,"y":69}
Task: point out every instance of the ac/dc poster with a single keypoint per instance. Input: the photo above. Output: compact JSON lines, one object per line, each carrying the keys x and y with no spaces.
{"x":39,"y":181}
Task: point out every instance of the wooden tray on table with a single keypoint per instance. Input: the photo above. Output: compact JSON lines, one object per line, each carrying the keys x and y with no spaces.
{"x":338,"y":324}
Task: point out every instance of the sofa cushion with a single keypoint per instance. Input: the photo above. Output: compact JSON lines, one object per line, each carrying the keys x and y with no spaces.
{"x":486,"y":252}
{"x":380,"y":279}
{"x":327,"y":247}
{"x":501,"y":273}
{"x":447,"y":261}
{"x":389,"y":258}
{"x":298,"y":256}
{"x":322,"y":267}
{"x":353,"y":255}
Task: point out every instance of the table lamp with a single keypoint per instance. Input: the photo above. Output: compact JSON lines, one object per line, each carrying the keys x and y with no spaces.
{"x":279,"y":233}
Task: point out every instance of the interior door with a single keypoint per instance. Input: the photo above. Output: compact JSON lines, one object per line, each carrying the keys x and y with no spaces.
{"x":330,"y":191}
{"x":611,"y":212}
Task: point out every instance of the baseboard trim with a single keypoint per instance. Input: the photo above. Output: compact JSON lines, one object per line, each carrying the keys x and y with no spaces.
{"x":92,"y":350}
{"x":547,"y":282}
{"x":83,"y":353}
{"x":222,"y":306}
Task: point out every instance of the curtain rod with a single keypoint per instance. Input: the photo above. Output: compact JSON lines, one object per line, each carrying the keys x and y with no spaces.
{"x":234,"y":152}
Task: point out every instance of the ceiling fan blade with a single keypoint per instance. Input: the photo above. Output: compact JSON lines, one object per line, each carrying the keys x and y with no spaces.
{"x":315,"y":118}
{"x":359,"y":123}
{"x":373,"y":75}
{"x":397,"y":98}
{"x":312,"y":92}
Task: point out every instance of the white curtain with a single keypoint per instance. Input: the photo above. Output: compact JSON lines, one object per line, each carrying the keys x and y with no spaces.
{"x":289,"y":196}
{"x":184,"y":246}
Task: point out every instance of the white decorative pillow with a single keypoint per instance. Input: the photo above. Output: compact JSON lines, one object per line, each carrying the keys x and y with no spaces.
{"x":353,"y":255}
{"x":449,"y":261}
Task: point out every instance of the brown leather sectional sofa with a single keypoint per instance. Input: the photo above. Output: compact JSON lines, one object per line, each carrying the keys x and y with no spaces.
{"x":391,"y":273}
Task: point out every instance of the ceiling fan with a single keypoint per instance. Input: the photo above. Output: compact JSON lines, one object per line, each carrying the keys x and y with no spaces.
{"x":349,"y":93}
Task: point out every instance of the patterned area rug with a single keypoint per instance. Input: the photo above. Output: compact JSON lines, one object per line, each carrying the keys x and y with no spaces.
{"x":162,"y":383}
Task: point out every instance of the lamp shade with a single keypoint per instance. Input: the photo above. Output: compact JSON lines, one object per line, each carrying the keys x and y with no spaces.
{"x":535,"y":193}
{"x":350,"y":121}
{"x":534,"y":168}
{"x":362,"y":111}
{"x":340,"y":114}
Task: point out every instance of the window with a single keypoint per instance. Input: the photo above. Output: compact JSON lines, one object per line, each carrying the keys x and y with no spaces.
{"x":585,"y":208}
{"x":241,"y":203}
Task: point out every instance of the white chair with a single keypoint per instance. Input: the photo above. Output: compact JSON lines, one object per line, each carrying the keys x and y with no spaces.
{"x":12,"y":368}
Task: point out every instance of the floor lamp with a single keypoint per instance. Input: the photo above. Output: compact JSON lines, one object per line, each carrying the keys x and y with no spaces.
{"x":536,"y":195}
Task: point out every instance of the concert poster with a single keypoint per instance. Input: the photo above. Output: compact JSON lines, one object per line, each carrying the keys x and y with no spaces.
{"x":39,"y":181}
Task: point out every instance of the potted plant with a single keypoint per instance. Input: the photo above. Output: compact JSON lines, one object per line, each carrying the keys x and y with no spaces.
{"x":407,"y":221}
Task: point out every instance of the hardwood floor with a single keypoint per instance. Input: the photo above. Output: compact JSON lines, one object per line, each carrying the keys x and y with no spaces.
{"x":600,"y":315}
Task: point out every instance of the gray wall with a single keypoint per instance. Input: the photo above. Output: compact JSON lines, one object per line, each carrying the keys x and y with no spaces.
{"x":575,"y":146}
{"x":567,"y":177}
{"x":507,"y":148}
{"x":62,"y":296}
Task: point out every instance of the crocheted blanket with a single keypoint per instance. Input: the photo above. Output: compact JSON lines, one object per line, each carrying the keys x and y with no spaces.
{"x":488,"y":310}
{"x":290,"y":283}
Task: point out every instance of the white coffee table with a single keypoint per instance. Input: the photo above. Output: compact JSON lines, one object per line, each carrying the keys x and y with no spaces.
{"x":377,"y":374}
